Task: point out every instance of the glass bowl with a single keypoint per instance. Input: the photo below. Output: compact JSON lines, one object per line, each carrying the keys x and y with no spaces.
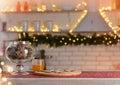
{"x":19,"y":52}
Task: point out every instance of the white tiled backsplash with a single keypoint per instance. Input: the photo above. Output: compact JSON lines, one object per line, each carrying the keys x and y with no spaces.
{"x":87,"y":58}
{"x":91,"y":58}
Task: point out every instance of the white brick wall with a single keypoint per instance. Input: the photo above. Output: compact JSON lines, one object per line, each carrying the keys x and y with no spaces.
{"x":92,"y":57}
{"x":87,"y":58}
{"x":84,"y":57}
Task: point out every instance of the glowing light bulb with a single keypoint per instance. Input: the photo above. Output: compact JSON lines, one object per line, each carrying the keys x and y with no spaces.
{"x":0,"y":70}
{"x":36,"y":40}
{"x":84,"y":3}
{"x":69,"y":39}
{"x":55,"y":28}
{"x":65,"y":43}
{"x":84,"y":38}
{"x":9,"y":83}
{"x":34,"y":37}
{"x":98,"y":34}
{"x":107,"y":20}
{"x":9,"y":69}
{"x":74,"y":41}
{"x":67,"y":25}
{"x":44,"y":8}
{"x":110,"y":41}
{"x":63,"y":38}
{"x":53,"y":5}
{"x":2,"y":63}
{"x":85,"y":11}
{"x":106,"y":38}
{"x":90,"y":37}
{"x":77,"y":39}
{"x":30,"y":43}
{"x":46,"y":37}
{"x":4,"y":79}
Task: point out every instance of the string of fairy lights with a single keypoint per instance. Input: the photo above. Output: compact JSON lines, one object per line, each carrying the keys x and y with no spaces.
{"x":42,"y":39}
{"x":80,"y":9}
{"x":76,"y":39}
{"x":102,"y":12}
{"x":70,"y":39}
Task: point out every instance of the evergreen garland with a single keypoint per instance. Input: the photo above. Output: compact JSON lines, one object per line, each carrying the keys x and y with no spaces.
{"x":70,"y":39}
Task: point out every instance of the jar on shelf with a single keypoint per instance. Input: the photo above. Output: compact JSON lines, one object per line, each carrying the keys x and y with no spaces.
{"x":49,"y":25}
{"x":33,"y":5}
{"x":18,"y":6}
{"x":26,"y":6}
{"x":37,"y":25}
{"x":24,"y":26}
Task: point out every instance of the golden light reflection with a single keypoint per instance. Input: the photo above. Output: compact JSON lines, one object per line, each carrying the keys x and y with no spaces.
{"x":80,"y":6}
{"x":84,"y":13}
{"x":9,"y":69}
{"x":0,"y":72}
{"x":55,"y":28}
{"x":2,"y":63}
{"x":102,"y":10}
{"x":4,"y":79}
{"x":9,"y":83}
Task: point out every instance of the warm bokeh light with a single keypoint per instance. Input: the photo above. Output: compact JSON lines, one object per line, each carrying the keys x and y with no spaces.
{"x":102,"y":12}
{"x":2,"y":63}
{"x":84,"y":13}
{"x":41,"y":5}
{"x":9,"y":83}
{"x":4,"y":79}
{"x":0,"y":70}
{"x":58,"y":6}
{"x":9,"y":69}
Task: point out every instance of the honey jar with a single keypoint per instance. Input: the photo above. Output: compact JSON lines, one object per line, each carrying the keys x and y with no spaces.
{"x":38,"y":64}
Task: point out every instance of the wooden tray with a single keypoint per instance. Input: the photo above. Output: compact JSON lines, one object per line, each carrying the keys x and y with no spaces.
{"x":58,"y":73}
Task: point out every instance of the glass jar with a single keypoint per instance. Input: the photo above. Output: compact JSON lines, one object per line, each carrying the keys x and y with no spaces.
{"x":38,"y":64}
{"x":19,"y":52}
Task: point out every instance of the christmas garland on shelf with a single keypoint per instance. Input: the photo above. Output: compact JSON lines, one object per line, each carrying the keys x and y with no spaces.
{"x":70,"y":39}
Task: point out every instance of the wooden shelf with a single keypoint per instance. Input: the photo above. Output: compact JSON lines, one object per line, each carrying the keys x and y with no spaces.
{"x":60,"y":18}
{"x":111,"y":10}
{"x":39,"y":32}
{"x":63,"y":11}
{"x":63,"y":32}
